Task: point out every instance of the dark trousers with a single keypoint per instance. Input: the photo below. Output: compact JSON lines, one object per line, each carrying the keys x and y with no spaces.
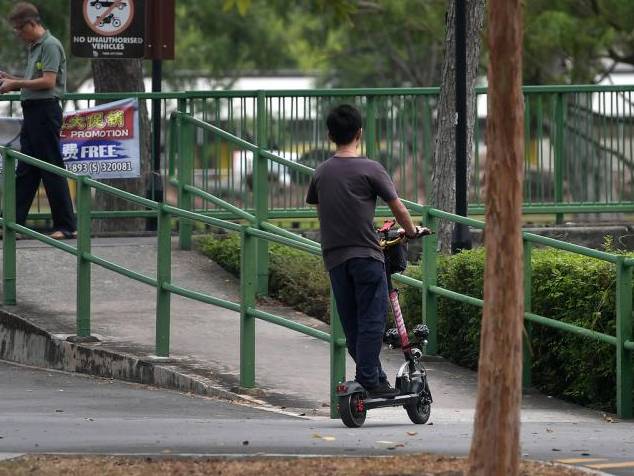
{"x":39,"y":138}
{"x":360,"y":289}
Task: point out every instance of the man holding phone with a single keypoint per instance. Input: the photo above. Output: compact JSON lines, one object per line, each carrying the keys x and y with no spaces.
{"x":42,"y":87}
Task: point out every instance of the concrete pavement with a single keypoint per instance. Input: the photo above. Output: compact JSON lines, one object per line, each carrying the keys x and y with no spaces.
{"x":44,"y":411}
{"x":292,"y":369}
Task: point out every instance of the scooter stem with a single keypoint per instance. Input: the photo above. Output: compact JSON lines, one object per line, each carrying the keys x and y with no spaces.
{"x":398,"y":319}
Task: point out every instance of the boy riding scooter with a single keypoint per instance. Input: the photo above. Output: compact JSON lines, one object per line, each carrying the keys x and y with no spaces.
{"x":345,"y":188}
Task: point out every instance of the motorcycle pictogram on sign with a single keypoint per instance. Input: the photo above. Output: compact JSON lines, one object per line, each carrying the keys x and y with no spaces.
{"x":108,"y":17}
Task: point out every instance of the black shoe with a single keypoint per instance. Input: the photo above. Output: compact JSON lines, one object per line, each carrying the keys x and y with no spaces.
{"x":383,"y":390}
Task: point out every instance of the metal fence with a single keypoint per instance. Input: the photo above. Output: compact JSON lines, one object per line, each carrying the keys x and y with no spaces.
{"x":579,"y":151}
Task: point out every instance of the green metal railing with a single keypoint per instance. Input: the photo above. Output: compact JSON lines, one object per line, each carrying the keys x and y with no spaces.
{"x":579,"y":140}
{"x":162,"y":281}
{"x":622,"y":341}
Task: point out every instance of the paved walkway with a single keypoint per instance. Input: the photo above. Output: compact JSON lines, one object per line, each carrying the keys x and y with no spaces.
{"x":291,"y":369}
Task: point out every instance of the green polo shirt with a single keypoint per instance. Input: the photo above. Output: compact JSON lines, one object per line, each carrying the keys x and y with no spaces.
{"x":46,"y":54}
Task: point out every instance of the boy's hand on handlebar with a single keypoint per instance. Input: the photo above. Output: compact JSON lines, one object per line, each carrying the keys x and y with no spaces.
{"x":419,"y":232}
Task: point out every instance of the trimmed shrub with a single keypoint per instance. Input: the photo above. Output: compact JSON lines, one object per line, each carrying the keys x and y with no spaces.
{"x":565,"y":287}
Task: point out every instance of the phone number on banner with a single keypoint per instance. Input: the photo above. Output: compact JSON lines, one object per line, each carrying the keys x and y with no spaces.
{"x":99,"y":167}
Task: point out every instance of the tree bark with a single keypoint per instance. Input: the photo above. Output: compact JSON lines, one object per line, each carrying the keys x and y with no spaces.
{"x":444,"y":159}
{"x":123,"y":76}
{"x":495,"y":448}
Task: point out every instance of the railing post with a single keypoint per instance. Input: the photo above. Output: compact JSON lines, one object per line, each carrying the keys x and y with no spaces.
{"x":173,"y":149}
{"x":337,"y":356}
{"x":185,"y":170}
{"x":369,"y":129}
{"x":624,"y":370}
{"x":527,"y":361}
{"x":83,"y":265}
{"x":163,"y":276}
{"x":248,"y":288}
{"x":261,"y":194}
{"x":8,"y":212}
{"x":559,"y":155}
{"x":427,"y":149}
{"x":430,"y":265}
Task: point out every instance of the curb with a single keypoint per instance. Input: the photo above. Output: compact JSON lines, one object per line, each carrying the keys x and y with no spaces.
{"x":25,"y":343}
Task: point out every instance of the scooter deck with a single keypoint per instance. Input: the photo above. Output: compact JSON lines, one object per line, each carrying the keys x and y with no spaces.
{"x":397,"y":401}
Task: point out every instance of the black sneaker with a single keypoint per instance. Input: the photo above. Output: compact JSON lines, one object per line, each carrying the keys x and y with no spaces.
{"x":383,"y":390}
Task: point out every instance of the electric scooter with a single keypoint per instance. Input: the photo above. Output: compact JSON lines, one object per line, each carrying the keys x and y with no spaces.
{"x":411,"y":378}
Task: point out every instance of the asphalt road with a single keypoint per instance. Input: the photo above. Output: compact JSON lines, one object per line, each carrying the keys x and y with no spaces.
{"x":54,"y":412}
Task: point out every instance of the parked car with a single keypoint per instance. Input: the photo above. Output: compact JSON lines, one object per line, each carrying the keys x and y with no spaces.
{"x":311,"y":159}
{"x":242,"y":168}
{"x":107,"y":3}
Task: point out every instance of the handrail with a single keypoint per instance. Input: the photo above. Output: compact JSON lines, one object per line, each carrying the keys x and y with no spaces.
{"x":334,"y":92}
{"x":162,"y":282}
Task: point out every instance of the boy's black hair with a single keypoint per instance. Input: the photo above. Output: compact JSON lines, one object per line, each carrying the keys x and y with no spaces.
{"x":344,"y":123}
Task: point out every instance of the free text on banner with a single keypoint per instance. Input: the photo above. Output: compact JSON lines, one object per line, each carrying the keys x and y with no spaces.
{"x":103,"y":141}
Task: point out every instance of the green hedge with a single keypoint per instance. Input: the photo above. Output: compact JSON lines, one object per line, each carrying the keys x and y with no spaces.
{"x":566,"y":287}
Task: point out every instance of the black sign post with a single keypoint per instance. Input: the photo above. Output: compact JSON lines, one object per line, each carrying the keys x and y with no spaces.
{"x":112,"y":29}
{"x":121,"y":29}
{"x":461,"y":238}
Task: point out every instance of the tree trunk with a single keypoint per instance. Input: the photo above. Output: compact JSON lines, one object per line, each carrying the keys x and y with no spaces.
{"x":123,"y":76}
{"x":444,"y":160}
{"x":495,"y":448}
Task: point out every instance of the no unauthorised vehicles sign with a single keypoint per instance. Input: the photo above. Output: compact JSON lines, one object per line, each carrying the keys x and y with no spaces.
{"x":108,"y":28}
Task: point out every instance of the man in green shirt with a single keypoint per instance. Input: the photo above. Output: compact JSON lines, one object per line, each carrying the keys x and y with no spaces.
{"x":41,"y":89}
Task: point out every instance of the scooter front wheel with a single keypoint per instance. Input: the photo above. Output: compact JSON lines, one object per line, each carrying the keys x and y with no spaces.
{"x":419,"y":412}
{"x":352,"y":410}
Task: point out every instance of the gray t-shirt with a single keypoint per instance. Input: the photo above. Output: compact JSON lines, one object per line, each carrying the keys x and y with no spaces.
{"x":346,"y":189}
{"x":46,"y":55}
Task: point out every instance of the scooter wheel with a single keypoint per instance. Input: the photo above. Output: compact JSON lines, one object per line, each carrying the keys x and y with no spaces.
{"x":418,"y":412}
{"x":352,"y":410}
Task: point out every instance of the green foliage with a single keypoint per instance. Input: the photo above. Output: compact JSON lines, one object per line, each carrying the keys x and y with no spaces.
{"x":223,"y":249}
{"x":389,"y":43}
{"x":580,"y":291}
{"x":565,"y":287}
{"x":295,"y":277}
{"x":356,"y":43}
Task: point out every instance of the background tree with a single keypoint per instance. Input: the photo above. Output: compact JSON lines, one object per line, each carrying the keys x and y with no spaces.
{"x":124,"y":76}
{"x":444,"y":159}
{"x":383,"y":44}
{"x":495,"y":449}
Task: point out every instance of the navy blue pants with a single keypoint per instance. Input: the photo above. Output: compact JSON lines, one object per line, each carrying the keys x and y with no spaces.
{"x":39,"y":138}
{"x":360,"y":289}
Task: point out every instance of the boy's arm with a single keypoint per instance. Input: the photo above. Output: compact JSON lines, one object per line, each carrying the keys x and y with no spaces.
{"x":402,"y":216}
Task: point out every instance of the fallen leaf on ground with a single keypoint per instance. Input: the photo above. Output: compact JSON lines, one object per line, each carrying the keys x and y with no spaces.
{"x":609,"y":419}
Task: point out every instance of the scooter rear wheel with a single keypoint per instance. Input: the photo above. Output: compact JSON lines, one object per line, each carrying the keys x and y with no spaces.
{"x":418,"y":412}
{"x":352,"y":410}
